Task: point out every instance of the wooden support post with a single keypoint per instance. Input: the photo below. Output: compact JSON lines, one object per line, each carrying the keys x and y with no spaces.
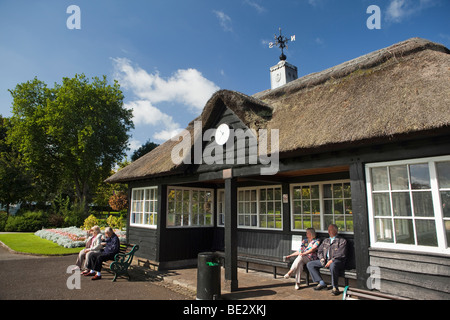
{"x":360,"y":221}
{"x":231,"y":281}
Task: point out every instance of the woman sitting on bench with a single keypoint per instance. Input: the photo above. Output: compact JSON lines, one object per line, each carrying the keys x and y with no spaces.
{"x":307,"y":253}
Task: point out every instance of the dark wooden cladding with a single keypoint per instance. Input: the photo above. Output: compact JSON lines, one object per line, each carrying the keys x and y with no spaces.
{"x":404,"y":274}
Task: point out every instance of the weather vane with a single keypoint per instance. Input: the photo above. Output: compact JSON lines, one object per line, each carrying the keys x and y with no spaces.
{"x":281,"y":42}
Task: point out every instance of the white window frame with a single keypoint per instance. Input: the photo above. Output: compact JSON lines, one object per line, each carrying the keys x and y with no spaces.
{"x":190,"y":214}
{"x":258,"y":203}
{"x":321,"y":203}
{"x":438,"y":213}
{"x":153,"y":202}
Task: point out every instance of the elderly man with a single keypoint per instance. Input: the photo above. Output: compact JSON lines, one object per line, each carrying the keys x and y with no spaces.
{"x":95,"y":259}
{"x":331,"y":254}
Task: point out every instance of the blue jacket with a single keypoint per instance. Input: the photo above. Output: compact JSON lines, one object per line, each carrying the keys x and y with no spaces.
{"x":112,"y":245}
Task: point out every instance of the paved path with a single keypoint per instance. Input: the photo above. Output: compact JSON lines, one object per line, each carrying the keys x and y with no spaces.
{"x":45,"y":278}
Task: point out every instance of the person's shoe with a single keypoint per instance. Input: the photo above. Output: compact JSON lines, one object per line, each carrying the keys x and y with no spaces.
{"x":96,"y":277}
{"x":320,"y":287}
{"x":86,"y":272}
{"x":335,"y":292}
{"x":287,"y":276}
{"x":297,"y":286}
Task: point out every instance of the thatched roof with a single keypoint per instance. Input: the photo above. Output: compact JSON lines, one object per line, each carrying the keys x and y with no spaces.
{"x":400,"y":90}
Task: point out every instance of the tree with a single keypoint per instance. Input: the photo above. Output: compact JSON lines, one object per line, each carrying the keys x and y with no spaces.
{"x":72,"y":134}
{"x":144,"y":149}
{"x":15,"y":182}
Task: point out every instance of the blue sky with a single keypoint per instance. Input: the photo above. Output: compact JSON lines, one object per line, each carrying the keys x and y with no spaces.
{"x":170,"y":56}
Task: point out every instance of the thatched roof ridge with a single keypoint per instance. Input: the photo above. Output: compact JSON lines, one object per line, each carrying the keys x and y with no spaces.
{"x":396,"y":91}
{"x":393,"y":92}
{"x":370,"y":60}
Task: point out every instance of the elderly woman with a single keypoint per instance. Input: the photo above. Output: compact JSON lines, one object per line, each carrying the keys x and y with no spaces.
{"x":93,"y":244}
{"x":307,"y":252}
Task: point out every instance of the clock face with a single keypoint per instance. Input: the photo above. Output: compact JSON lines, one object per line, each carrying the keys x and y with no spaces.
{"x":278,"y":77}
{"x":222,"y":134}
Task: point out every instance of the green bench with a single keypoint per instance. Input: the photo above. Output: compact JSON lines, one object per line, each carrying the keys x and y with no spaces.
{"x":123,"y":260}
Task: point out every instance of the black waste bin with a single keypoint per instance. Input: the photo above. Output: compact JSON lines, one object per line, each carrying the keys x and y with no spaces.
{"x":208,"y":276}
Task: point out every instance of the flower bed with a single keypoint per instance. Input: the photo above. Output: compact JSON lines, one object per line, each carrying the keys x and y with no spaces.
{"x":71,"y":237}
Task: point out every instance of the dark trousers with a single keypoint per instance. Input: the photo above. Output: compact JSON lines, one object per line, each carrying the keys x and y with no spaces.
{"x":336,"y":269}
{"x":97,"y":258}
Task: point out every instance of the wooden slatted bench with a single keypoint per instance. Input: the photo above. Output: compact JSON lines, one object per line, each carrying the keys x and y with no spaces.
{"x":122,"y":260}
{"x":358,"y":294}
{"x":264,"y":260}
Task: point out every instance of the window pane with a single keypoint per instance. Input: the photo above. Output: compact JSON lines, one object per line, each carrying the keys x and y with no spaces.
{"x":337,"y":191}
{"x":315,"y":207}
{"x":316,"y":222}
{"x":401,"y":204}
{"x":443,"y":169}
{"x":349,"y":223}
{"x":420,"y":176}
{"x":328,"y":206}
{"x":327,"y":191}
{"x":404,"y":231}
{"x":277,"y":194}
{"x":297,"y":207}
{"x":339,"y":221}
{"x":445,"y":203}
{"x":306,"y":193}
{"x":384,"y":230}
{"x":423,"y":204}
{"x":297,"y":194}
{"x":338,"y":207}
{"x":381,"y":204}
{"x":379,"y":179}
{"x":399,"y":177}
{"x":315,"y":192}
{"x":328,"y":219}
{"x":347,"y":190}
{"x":426,"y":233}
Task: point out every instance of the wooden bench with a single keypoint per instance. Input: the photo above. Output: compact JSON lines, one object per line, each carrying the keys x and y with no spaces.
{"x":358,"y":294}
{"x":264,"y":260}
{"x":275,"y":262}
{"x":122,"y":260}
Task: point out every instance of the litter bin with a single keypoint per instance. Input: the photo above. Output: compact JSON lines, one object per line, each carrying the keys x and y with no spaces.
{"x":208,"y":276}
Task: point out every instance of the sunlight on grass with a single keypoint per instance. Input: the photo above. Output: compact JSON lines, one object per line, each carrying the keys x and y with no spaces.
{"x":29,"y":243}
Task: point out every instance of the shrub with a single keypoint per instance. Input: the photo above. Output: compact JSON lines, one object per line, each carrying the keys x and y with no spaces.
{"x":30,"y":221}
{"x":90,"y":222}
{"x":115,"y":222}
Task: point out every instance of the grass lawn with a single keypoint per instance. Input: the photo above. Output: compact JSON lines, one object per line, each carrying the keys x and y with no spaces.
{"x":29,"y":243}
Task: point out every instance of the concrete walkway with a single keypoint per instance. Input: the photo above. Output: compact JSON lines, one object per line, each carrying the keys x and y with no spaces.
{"x":37,"y":277}
{"x":253,"y":285}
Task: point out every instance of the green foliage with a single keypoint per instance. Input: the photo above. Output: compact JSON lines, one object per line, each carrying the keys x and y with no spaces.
{"x":15,"y":181}
{"x":143,"y":150}
{"x":30,"y":221}
{"x":3,"y":219}
{"x":90,"y":222}
{"x":115,"y":222}
{"x":71,"y":135}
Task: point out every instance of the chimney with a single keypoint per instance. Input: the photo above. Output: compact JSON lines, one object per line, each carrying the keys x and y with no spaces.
{"x":283,"y":72}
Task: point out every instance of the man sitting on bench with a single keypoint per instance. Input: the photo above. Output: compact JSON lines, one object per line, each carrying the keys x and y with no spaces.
{"x":112,"y":247}
{"x":331,"y":254}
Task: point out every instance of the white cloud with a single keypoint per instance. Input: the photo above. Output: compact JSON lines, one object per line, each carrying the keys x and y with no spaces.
{"x":224,"y":19}
{"x":256,"y":6}
{"x":401,"y":9}
{"x":186,"y":86}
